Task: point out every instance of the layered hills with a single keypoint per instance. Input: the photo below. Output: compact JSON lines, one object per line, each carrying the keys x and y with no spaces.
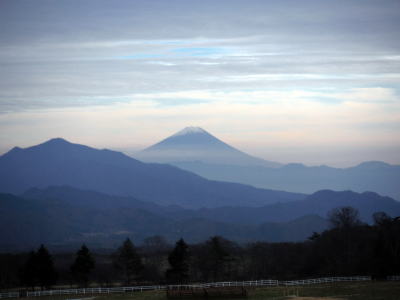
{"x":198,"y":151}
{"x":59,"y":162}
{"x":65,"y":216}
{"x":66,"y":194}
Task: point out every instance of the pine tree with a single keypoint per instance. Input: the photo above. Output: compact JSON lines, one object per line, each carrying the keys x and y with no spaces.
{"x":127,"y":260}
{"x":178,"y":260}
{"x":46,"y":273}
{"x":28,"y":273}
{"x":82,"y":266}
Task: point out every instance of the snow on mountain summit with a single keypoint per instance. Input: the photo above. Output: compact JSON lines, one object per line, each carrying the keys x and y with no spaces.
{"x":190,"y":130}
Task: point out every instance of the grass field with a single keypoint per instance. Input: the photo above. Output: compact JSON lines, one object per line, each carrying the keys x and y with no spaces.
{"x":372,"y":290}
{"x":352,"y":291}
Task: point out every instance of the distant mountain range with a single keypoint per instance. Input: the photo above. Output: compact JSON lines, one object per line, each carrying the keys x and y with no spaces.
{"x":196,"y":150}
{"x":378,"y":177}
{"x":319,"y":203}
{"x":65,"y":217}
{"x":59,"y":162}
{"x":59,"y":193}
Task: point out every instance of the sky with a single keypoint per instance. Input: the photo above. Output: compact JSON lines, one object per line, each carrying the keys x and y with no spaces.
{"x":316,"y":82}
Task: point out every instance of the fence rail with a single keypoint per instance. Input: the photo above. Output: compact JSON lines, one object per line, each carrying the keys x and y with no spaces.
{"x":395,"y":277}
{"x":9,"y":295}
{"x":255,"y":283}
{"x":324,"y":280}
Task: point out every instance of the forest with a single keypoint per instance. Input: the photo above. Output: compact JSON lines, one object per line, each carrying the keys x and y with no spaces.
{"x":348,"y":247}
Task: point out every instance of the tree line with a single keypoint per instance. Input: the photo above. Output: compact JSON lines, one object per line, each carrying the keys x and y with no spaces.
{"x":349,"y":247}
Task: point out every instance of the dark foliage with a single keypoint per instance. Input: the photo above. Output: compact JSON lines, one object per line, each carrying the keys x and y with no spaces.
{"x":179,"y":265}
{"x":155,"y":249}
{"x":28,"y":272}
{"x":359,"y":249}
{"x":11,"y":269}
{"x":82,"y":266}
{"x":128,"y":261}
{"x":38,"y":270}
{"x":387,"y":245}
{"x":344,"y":217}
{"x":46,"y":273}
{"x":215,"y":259}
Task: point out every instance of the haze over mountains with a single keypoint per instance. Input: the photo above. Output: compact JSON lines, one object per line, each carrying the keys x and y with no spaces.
{"x":196,"y":150}
{"x":65,"y":194}
{"x":65,"y":217}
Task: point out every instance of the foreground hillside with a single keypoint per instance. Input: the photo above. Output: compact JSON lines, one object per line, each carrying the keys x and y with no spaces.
{"x":348,"y":248}
{"x":339,"y":291}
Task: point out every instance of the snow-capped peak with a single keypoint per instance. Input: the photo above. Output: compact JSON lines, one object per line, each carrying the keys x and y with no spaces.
{"x":189,"y":130}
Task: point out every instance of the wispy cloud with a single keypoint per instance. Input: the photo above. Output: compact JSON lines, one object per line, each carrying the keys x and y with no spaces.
{"x":273,"y":67}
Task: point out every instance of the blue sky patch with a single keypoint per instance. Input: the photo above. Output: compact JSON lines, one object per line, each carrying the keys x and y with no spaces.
{"x":200,"y":51}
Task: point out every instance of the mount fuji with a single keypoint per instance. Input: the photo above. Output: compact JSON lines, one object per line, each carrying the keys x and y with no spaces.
{"x":194,"y":144}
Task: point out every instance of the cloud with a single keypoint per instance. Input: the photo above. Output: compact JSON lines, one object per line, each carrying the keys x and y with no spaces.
{"x":240,"y":111}
{"x":260,"y":73}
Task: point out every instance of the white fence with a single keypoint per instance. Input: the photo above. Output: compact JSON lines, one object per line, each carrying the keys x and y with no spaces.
{"x":9,"y":295}
{"x":324,"y":280}
{"x":255,"y":283}
{"x":396,"y":277}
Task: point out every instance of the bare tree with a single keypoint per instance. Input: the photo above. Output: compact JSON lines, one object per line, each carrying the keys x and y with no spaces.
{"x":381,"y":218}
{"x":344,"y":217}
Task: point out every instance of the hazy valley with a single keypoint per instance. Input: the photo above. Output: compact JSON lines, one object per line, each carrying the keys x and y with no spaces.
{"x":65,"y":194}
{"x":196,"y":150}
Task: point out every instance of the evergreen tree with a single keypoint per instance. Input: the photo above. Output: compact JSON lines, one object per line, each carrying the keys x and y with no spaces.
{"x":128,"y":261}
{"x":46,"y":273}
{"x":28,"y":273}
{"x":82,"y":266}
{"x":178,"y":260}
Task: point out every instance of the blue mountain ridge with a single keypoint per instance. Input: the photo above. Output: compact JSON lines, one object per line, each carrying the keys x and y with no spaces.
{"x":67,"y":216}
{"x":59,"y":162}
